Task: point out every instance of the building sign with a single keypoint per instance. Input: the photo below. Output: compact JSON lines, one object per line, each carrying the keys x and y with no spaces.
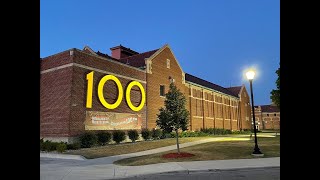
{"x":96,"y":120}
{"x":103,"y":80}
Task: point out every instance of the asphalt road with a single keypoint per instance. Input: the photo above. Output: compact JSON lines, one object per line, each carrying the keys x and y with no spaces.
{"x":271,"y":173}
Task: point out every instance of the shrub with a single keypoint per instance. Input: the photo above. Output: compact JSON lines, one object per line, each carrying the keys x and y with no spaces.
{"x":156,"y":133}
{"x":201,"y":134}
{"x":118,"y":136}
{"x":228,"y":131}
{"x":49,"y":146}
{"x":133,"y":135}
{"x":146,"y":134}
{"x":103,"y":138}
{"x":61,"y":147}
{"x":88,"y":139}
{"x":246,"y":131}
{"x":188,"y":134}
{"x":236,"y":132}
{"x":173,"y":134}
{"x":74,"y":146}
{"x":41,"y":144}
{"x":216,"y":131}
{"x":165,"y":135}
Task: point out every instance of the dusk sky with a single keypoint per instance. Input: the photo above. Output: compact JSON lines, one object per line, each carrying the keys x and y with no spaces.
{"x":215,"y":40}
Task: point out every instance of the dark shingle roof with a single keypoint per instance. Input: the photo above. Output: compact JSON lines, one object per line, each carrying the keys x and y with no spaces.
{"x":235,"y":90}
{"x":208,"y":84}
{"x":105,"y":55}
{"x":138,"y":59}
{"x":268,"y":108}
{"x":125,"y":49}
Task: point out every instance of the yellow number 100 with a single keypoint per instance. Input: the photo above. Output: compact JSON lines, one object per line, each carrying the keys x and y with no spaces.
{"x":103,"y":80}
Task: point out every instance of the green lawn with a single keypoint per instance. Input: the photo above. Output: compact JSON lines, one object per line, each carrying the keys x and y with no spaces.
{"x":230,"y":149}
{"x":124,"y":148}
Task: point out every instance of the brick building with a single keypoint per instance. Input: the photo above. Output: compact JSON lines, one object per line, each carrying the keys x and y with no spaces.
{"x":84,"y":90}
{"x":267,"y":117}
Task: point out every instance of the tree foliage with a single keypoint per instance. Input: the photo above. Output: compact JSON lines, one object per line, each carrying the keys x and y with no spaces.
{"x":275,"y":93}
{"x":174,"y":115}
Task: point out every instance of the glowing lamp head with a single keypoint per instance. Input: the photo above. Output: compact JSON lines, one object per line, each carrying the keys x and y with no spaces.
{"x":250,"y":75}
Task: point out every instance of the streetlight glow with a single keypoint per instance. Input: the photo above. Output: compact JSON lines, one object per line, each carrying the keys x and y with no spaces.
{"x":250,"y":74}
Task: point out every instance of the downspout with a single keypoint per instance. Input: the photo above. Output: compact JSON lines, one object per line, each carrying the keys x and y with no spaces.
{"x":214,"y":114}
{"x":230,"y":107}
{"x":190,"y":107}
{"x":223,"y":113}
{"x":203,"y":115}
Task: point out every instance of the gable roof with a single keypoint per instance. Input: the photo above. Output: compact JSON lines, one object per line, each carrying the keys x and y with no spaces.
{"x":88,"y":49}
{"x":269,"y":108}
{"x":208,"y":84}
{"x":160,"y":50}
{"x":235,"y":90}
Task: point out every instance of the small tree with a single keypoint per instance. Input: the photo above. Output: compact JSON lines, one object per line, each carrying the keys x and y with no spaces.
{"x":275,"y":93}
{"x":174,"y":115}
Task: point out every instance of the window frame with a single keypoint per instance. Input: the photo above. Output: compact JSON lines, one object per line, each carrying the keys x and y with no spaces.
{"x":162,"y":92}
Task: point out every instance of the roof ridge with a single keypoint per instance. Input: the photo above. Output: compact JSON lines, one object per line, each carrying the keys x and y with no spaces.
{"x":214,"y":84}
{"x":139,"y":54}
{"x":207,"y":81}
{"x":234,"y":86}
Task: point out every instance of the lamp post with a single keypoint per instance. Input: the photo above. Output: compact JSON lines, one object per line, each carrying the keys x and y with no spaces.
{"x":250,"y":76}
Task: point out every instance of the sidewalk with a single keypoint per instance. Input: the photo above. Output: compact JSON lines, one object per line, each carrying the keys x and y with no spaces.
{"x":71,"y":170}
{"x":103,"y":168}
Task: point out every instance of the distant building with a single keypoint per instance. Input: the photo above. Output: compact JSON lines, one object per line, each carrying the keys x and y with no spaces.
{"x":267,"y":117}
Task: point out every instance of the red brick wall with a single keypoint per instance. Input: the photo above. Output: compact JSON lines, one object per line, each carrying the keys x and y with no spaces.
{"x":245,"y":110}
{"x":56,"y":60}
{"x":205,"y":113}
{"x":55,"y":96}
{"x":271,"y":121}
{"x":63,"y":92}
{"x":160,"y":76}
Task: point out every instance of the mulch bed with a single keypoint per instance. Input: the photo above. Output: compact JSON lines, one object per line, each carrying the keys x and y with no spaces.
{"x":176,"y":155}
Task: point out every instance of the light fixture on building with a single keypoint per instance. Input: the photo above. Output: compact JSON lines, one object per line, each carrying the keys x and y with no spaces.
{"x":172,"y":80}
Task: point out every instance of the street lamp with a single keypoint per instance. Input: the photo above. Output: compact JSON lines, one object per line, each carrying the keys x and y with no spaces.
{"x":250,"y":75}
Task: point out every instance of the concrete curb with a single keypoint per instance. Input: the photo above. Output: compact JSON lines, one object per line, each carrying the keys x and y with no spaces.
{"x":230,"y":169}
{"x":62,"y":156}
{"x":204,"y":171}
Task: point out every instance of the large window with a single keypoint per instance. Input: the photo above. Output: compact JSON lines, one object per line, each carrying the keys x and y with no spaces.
{"x":162,"y":93}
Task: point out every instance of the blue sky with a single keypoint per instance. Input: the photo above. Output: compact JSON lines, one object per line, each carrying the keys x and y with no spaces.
{"x":215,"y":40}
